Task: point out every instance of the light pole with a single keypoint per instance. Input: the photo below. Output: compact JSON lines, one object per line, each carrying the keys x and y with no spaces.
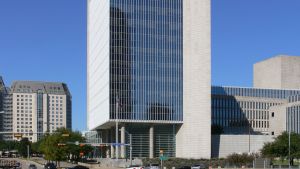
{"x":28,"y":153}
{"x":289,"y":149}
{"x":117,"y":127}
{"x":289,"y":144}
{"x":249,"y":126}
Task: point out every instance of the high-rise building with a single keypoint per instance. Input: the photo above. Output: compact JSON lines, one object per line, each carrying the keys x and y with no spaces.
{"x":148,"y":68}
{"x":2,"y":93}
{"x":39,"y":107}
{"x":7,"y":114}
{"x":279,"y":72}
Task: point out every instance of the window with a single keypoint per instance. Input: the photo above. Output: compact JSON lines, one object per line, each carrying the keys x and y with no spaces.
{"x":272,"y":133}
{"x":272,"y":114}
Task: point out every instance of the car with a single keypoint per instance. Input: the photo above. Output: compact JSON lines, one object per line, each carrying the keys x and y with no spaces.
{"x":32,"y":166}
{"x":18,"y":165}
{"x":135,"y":167}
{"x":198,"y":166}
{"x":49,"y":166}
{"x":185,"y":167}
{"x":79,"y":167}
{"x":152,"y":166}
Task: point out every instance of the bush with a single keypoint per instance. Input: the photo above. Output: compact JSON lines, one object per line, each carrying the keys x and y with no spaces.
{"x":178,"y":162}
{"x":239,"y":160}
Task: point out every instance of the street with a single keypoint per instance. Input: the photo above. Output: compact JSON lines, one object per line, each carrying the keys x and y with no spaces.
{"x":39,"y":161}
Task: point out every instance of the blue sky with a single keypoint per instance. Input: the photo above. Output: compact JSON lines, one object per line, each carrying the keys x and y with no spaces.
{"x":45,"y":41}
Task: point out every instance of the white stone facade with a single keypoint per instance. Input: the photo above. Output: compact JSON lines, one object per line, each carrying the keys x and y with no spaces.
{"x":193,"y":138}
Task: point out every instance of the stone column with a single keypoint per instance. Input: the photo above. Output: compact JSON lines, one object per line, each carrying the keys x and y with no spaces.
{"x":107,"y":141}
{"x":151,"y":142}
{"x":112,"y":148}
{"x":123,"y":147}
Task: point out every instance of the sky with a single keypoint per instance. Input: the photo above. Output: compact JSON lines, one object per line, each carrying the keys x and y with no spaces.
{"x":46,"y":41}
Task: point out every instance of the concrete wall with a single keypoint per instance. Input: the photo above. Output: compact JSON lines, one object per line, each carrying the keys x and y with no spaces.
{"x":290,"y":67}
{"x":281,"y":72}
{"x":224,"y":145}
{"x":278,"y":122}
{"x":193,"y":138}
{"x":267,"y":73}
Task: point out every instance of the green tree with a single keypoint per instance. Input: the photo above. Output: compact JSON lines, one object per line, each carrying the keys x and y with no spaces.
{"x":60,"y":145}
{"x":22,"y":147}
{"x":8,"y":145}
{"x":280,"y":147}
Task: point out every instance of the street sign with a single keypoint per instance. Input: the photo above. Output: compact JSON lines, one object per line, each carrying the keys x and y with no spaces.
{"x":17,"y":135}
{"x":65,"y":135}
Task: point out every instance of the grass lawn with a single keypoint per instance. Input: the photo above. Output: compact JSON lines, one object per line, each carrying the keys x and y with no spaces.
{"x":284,"y":162}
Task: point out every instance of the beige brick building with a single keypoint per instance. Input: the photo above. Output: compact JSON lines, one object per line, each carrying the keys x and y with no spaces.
{"x":39,"y":107}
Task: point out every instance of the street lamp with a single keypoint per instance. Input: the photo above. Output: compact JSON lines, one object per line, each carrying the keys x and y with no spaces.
{"x":289,"y":148}
{"x":289,"y":121}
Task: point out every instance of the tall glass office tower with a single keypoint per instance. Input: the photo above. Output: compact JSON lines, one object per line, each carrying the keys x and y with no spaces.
{"x":143,"y":59}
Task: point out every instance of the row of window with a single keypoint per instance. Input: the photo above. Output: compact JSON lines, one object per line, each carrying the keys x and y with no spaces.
{"x":232,"y":102}
{"x":22,"y":115}
{"x":30,"y":96}
{"x":22,"y":107}
{"x":254,"y":92}
{"x":24,"y":119}
{"x":24,"y":103}
{"x":24,"y":100}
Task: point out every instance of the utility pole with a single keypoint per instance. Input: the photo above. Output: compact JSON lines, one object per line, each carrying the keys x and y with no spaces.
{"x":117,"y":127}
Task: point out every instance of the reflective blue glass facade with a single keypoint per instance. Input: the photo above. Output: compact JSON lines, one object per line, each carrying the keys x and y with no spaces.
{"x":146,"y":59}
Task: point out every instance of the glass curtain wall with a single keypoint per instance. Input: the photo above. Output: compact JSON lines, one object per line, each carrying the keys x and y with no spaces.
{"x":146,"y":59}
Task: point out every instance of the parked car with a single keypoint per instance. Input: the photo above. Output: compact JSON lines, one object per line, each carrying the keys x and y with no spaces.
{"x":198,"y":166}
{"x":32,"y":166}
{"x":18,"y":165}
{"x":79,"y":167}
{"x":49,"y":166}
{"x":152,"y":166}
{"x":135,"y":167}
{"x":185,"y":167}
